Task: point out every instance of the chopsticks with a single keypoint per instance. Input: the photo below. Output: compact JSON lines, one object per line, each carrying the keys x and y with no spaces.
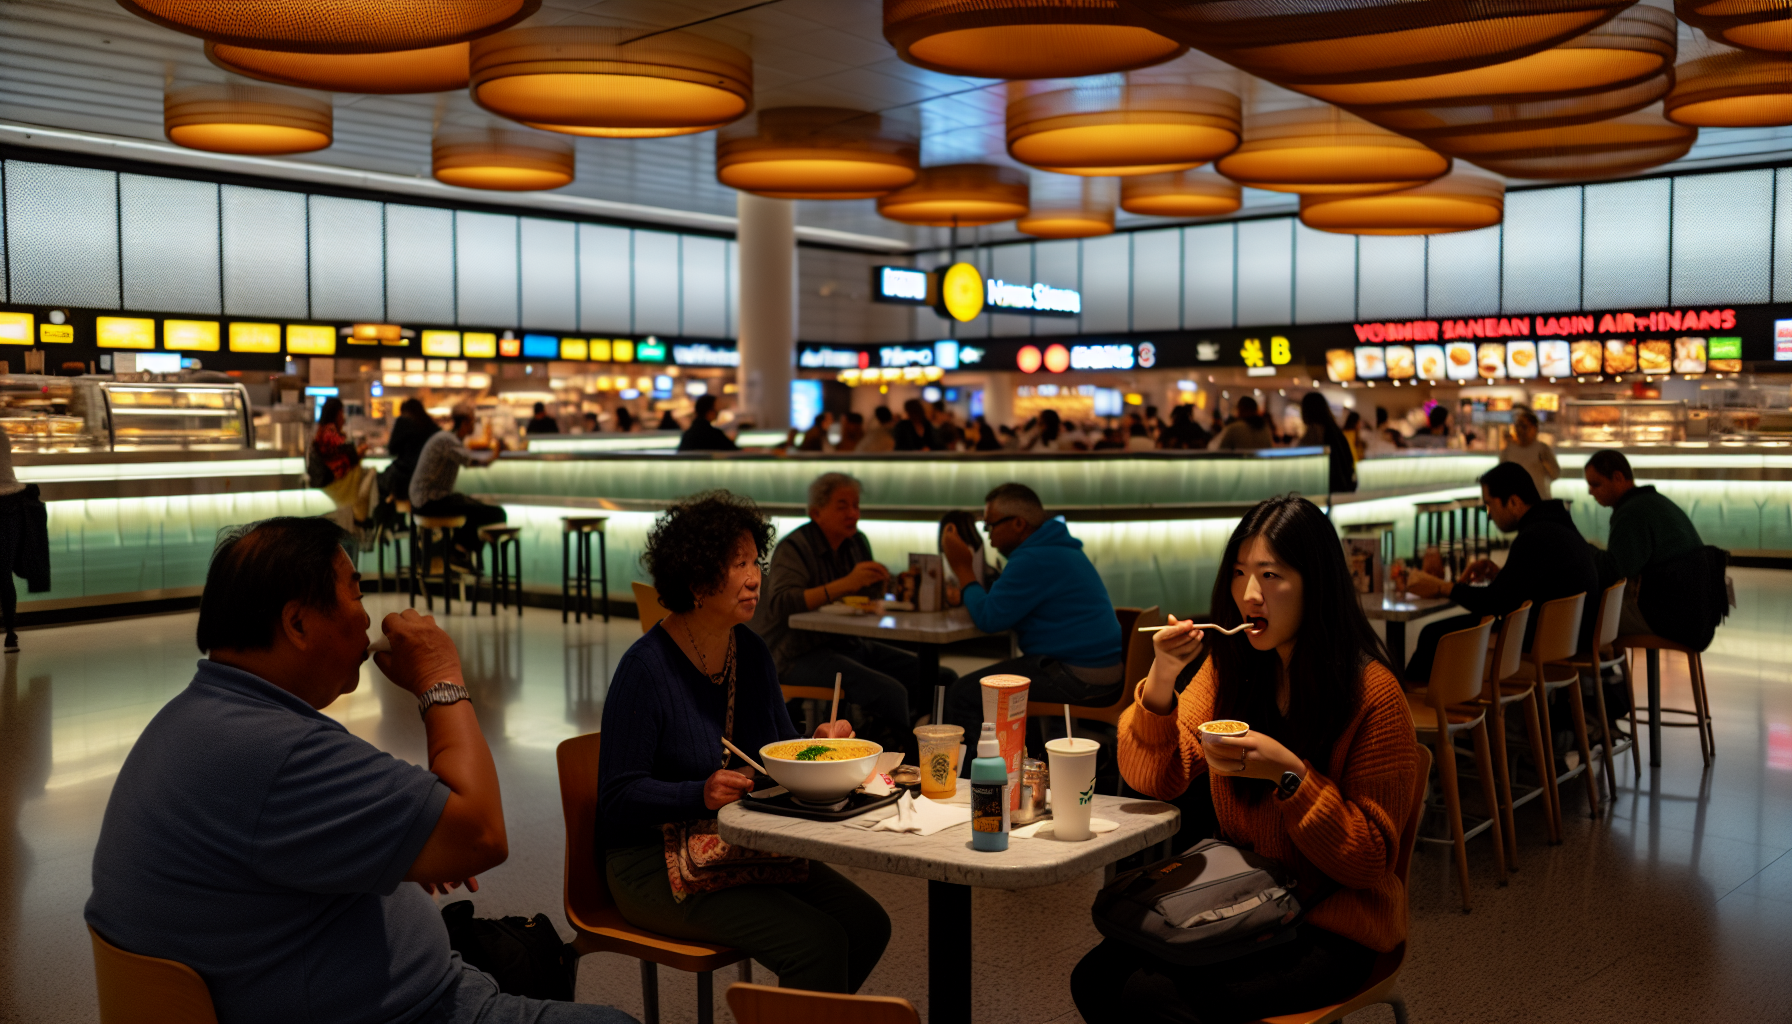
{"x":834,"y":715}
{"x":743,"y":756}
{"x":1216,"y":627}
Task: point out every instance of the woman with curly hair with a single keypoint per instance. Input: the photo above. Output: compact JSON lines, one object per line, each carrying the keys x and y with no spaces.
{"x":699,"y":675}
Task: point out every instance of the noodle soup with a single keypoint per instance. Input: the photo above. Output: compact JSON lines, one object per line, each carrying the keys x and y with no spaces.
{"x":821,"y":750}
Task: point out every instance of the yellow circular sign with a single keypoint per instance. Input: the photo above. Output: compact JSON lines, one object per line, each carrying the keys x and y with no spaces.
{"x":961,"y":292}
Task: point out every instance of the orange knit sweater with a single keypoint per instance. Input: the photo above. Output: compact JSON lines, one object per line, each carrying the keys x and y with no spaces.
{"x":1343,"y":822}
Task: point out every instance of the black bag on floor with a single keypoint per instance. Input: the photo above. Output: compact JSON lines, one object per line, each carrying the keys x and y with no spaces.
{"x":526,"y":956}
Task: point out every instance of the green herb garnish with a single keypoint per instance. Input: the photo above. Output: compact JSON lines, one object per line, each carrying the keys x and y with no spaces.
{"x":811,"y":753}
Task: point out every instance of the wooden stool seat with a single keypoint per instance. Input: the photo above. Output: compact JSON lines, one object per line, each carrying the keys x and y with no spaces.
{"x":1459,"y":716}
{"x":499,"y":530}
{"x":1700,"y":712}
{"x":433,"y":555}
{"x":571,"y":524}
{"x":440,"y":522}
{"x":403,"y":505}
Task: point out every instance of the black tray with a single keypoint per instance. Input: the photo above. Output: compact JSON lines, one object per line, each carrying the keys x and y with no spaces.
{"x":785,"y":804}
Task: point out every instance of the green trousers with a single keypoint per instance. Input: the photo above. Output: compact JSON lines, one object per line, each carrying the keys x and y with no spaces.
{"x":824,"y":935}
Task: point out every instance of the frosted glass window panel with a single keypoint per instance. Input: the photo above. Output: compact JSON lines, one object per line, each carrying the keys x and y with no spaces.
{"x":1107,"y":283}
{"x":62,"y":234}
{"x":1157,"y":280}
{"x":348,"y":272}
{"x":1390,"y":277}
{"x":656,"y":283}
{"x":550,"y":274}
{"x":1626,"y":245}
{"x":485,"y":269}
{"x":1265,"y":271}
{"x":1013,"y":264}
{"x":168,"y":244}
{"x":705,"y":283}
{"x":606,"y":288}
{"x":419,"y":264}
{"x":733,"y":310}
{"x":1541,"y":257}
{"x":1782,"y":237}
{"x":1464,"y":275}
{"x":1059,"y":264}
{"x":265,"y":258}
{"x":1324,"y":276}
{"x":1723,"y":238}
{"x":1207,"y":276}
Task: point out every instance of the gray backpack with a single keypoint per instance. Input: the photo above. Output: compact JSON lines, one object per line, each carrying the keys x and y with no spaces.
{"x":1211,"y":903}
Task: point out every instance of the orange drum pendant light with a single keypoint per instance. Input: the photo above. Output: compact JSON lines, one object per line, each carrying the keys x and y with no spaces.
{"x":610,"y":80}
{"x":431,"y":69}
{"x":1326,"y":150}
{"x":1621,"y":145}
{"x":1452,"y":127}
{"x":1733,"y":89}
{"x":817,"y":153}
{"x":1024,"y":38}
{"x":252,"y":120}
{"x":1461,"y":201}
{"x":1310,"y":42}
{"x":1067,"y":207}
{"x":1751,"y":24}
{"x":502,"y":160}
{"x":334,"y":26}
{"x":1199,"y":193}
{"x":959,"y":195}
{"x":1121,"y":127}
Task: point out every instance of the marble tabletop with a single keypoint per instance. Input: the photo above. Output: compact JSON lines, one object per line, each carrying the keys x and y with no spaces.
{"x":946,"y":856}
{"x":1403,"y":608}
{"x":945,"y":627}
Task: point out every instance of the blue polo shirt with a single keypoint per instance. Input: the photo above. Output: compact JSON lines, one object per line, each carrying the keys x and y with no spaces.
{"x":256,"y":840}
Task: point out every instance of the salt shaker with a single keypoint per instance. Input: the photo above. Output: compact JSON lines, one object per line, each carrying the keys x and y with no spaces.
{"x":1034,"y":779}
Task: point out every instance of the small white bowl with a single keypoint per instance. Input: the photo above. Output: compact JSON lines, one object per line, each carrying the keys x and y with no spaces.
{"x":820,"y":782}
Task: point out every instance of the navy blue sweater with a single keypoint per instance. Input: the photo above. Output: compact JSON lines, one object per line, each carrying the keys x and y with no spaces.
{"x":662,"y":732}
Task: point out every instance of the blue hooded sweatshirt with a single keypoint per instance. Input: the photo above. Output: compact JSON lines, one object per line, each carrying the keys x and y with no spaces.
{"x":1050,"y":595}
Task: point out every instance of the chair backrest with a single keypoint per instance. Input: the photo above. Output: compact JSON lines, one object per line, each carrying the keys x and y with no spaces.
{"x":136,"y":988}
{"x":648,"y":606}
{"x":764,"y":1004}
{"x":1409,"y":833}
{"x":1508,"y":650}
{"x":1611,"y":609}
{"x":577,"y":758}
{"x":1127,"y":616}
{"x":1558,"y":629}
{"x":1139,"y":651}
{"x":1457,"y":669}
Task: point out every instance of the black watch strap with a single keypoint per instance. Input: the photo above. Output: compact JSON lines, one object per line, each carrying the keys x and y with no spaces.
{"x":1290,"y":782}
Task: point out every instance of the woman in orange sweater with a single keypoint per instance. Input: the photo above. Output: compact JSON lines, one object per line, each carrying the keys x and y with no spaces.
{"x":1322,"y":782}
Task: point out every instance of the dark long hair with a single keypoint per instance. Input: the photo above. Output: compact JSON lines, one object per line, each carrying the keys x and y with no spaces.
{"x":1335,"y":642}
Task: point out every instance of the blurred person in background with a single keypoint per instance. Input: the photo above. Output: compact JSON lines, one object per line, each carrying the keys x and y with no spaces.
{"x":668,"y":421}
{"x":815,"y":439}
{"x":1323,"y":431}
{"x":541,"y":422}
{"x":625,"y":420}
{"x":1353,"y":426}
{"x":852,"y":432}
{"x":1138,"y":437}
{"x":1183,"y":431}
{"x":880,"y":435}
{"x":703,"y":435}
{"x":1436,"y":433}
{"x":410,"y":432}
{"x":1250,"y":431}
{"x":914,"y":433}
{"x":334,"y":464}
{"x":988,"y":439}
{"x":589,"y":424}
{"x":1047,"y":433}
{"x":438,"y":469}
{"x":1536,"y":457}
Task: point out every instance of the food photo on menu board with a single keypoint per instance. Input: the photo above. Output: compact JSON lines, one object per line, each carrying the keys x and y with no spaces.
{"x":1588,"y":356}
{"x":1552,"y":358}
{"x":1620,"y":356}
{"x":1521,"y":359}
{"x":1370,"y":363}
{"x":1723,"y":355}
{"x":1431,"y":361}
{"x":1460,"y":360}
{"x":1689,"y":355}
{"x":1340,"y":364}
{"x":1493,"y":359}
{"x":1400,"y":362}
{"x":1656,"y":355}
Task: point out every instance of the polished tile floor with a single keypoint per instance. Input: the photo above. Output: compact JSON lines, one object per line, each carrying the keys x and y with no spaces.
{"x":1677,"y":905}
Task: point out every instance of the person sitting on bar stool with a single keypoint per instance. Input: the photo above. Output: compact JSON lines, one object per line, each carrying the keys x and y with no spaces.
{"x":541,"y":422}
{"x":1050,"y":596}
{"x":432,"y":485}
{"x":703,"y":435}
{"x":289,"y":862}
{"x":1652,"y":543}
{"x":1549,"y":559}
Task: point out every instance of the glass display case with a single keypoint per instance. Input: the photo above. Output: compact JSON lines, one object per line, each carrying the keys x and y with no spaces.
{"x":1743,"y":410}
{"x":1619,"y":422}
{"x":87,"y":414}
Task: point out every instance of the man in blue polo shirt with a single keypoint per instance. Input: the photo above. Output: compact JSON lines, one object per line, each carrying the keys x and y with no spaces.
{"x":287,"y":861}
{"x":1050,"y":595}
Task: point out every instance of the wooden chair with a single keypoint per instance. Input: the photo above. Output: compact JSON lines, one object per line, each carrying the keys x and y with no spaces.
{"x":598,"y":924}
{"x":1507,"y":658}
{"x":1593,"y":664}
{"x":135,"y":988}
{"x":1556,"y":640}
{"x":1443,"y":709}
{"x":764,"y":1004}
{"x":1383,"y":985}
{"x":648,"y":607}
{"x":1137,"y":662}
{"x":1701,"y":700}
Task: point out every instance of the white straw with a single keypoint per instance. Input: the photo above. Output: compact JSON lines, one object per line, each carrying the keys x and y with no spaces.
{"x":1067,"y":733}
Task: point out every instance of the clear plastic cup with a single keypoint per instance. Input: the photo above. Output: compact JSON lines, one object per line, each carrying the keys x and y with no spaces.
{"x":1072,"y":768}
{"x":940,"y":745}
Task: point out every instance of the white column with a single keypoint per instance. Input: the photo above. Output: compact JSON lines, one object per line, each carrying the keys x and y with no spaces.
{"x":767,"y":308}
{"x":998,"y":399}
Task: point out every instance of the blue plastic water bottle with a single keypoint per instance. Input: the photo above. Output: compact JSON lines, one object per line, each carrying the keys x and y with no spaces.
{"x":989,"y":793}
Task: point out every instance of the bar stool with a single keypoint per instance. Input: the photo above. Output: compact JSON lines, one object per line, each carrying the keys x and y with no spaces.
{"x":1556,"y":640}
{"x":1594,"y":663}
{"x":1701,"y":700}
{"x":575,"y":566}
{"x":507,"y":564}
{"x":399,"y":537}
{"x":435,"y":536}
{"x":1517,"y":687}
{"x":1442,"y":710}
{"x":1507,"y":658}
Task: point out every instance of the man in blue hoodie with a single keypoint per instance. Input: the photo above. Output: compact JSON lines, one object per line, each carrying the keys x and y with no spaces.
{"x":1050,"y":596}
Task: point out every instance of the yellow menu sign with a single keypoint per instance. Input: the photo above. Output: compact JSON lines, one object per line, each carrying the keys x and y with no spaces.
{"x":56,"y":334}
{"x":124,"y":332}
{"x":190,"y":335}
{"x":254,"y":337}
{"x":310,"y":340}
{"x":15,"y":328}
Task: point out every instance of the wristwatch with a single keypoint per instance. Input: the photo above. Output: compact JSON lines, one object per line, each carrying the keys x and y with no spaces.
{"x":1290,"y":782}
{"x":441,"y":693}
